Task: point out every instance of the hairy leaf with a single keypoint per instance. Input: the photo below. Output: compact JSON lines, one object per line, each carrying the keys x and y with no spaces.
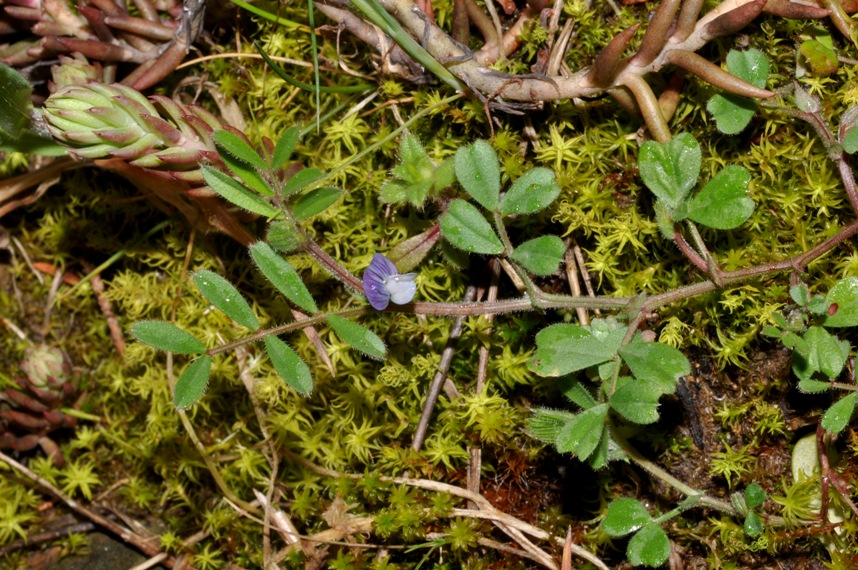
{"x":226,"y":298}
{"x":237,"y":193}
{"x":358,"y":337}
{"x":289,"y":365}
{"x":670,"y":170}
{"x":625,"y":516}
{"x":532,"y":192}
{"x":282,"y":275}
{"x":478,"y":172}
{"x":466,"y":228}
{"x":167,"y":336}
{"x":542,"y":255}
{"x":192,"y":384}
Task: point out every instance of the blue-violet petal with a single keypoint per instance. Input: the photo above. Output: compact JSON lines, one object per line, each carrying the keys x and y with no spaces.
{"x":379,"y":270}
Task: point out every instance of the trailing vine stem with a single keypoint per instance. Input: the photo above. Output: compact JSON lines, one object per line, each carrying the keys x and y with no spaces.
{"x":702,"y":499}
{"x":544,"y":301}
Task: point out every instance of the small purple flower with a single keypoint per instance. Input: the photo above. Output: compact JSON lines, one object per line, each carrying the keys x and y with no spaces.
{"x":383,"y":284}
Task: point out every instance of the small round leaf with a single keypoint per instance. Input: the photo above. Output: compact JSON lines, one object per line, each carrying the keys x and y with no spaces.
{"x":625,"y":516}
{"x":649,"y":547}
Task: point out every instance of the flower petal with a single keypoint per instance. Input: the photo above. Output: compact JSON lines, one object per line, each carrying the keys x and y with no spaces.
{"x":402,"y":288}
{"x":380,"y":268}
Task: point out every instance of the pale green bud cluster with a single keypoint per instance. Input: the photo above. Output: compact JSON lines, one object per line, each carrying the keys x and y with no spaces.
{"x":102,"y":121}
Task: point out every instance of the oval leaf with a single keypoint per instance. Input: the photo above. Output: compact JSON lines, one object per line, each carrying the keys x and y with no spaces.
{"x":242,"y":160}
{"x":670,"y":170}
{"x":723,"y":203}
{"x":358,"y":337}
{"x":409,"y":253}
{"x":300,"y":180}
{"x":166,"y":336}
{"x":541,"y":255}
{"x":284,"y":147}
{"x":837,"y":416}
{"x":191,"y":385}
{"x":649,"y":547}
{"x":534,"y":191}
{"x":282,"y":275}
{"x":843,"y":299}
{"x":625,"y":516}
{"x":478,"y":172}
{"x":289,"y":365}
{"x":226,"y":298}
{"x":237,"y":193}
{"x":466,"y":228}
{"x":230,"y":143}
{"x":315,"y":202}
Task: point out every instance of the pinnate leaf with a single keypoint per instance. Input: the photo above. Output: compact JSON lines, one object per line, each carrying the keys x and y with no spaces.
{"x":289,"y":365}
{"x":478,"y":172}
{"x":282,"y":275}
{"x":192,"y":384}
{"x":242,"y":160}
{"x":226,"y":298}
{"x":301,"y":180}
{"x":167,"y":336}
{"x":466,"y":228}
{"x":232,"y":144}
{"x":723,"y":203}
{"x":358,"y":337}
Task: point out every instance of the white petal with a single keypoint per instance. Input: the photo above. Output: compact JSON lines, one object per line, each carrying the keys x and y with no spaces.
{"x":402,"y":288}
